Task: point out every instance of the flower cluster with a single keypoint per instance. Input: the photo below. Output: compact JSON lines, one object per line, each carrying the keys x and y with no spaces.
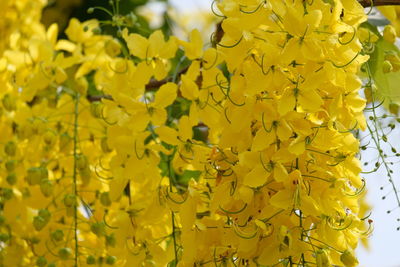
{"x":155,"y":151}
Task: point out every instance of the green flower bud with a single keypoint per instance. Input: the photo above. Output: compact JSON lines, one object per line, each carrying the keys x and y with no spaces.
{"x":11,"y":178}
{"x":10,"y":148}
{"x":57,"y":235}
{"x":11,"y":165}
{"x":105,"y":199}
{"x":9,"y":102}
{"x":70,"y":200}
{"x":98,"y":228}
{"x":110,"y":240}
{"x":81,"y":161}
{"x":36,"y":174}
{"x":111,"y":260}
{"x":45,"y":214}
{"x":39,"y":223}
{"x":7,"y":193}
{"x":131,"y":19}
{"x":90,"y":260}
{"x":64,"y":253}
{"x":41,"y":261}
{"x":46,"y":187}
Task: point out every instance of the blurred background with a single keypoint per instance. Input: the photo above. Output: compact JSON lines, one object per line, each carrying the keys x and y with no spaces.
{"x":179,"y":17}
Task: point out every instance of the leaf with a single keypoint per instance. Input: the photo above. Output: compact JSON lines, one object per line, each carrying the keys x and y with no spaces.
{"x":187,"y":175}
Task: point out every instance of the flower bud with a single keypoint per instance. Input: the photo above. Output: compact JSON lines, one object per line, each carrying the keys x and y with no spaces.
{"x":131,"y":19}
{"x":105,"y":199}
{"x":98,"y":228}
{"x":39,"y":223}
{"x":90,"y":260}
{"x":57,"y":235}
{"x":10,"y":165}
{"x":45,"y":214}
{"x":11,"y":178}
{"x":348,"y":259}
{"x":41,"y":261}
{"x":36,"y":175}
{"x":46,"y":187}
{"x":7,"y":193}
{"x":81,"y":161}
{"x":389,"y":34}
{"x":110,"y":240}
{"x":69,"y":200}
{"x":10,"y":148}
{"x":111,"y":260}
{"x":64,"y":253}
{"x":9,"y":102}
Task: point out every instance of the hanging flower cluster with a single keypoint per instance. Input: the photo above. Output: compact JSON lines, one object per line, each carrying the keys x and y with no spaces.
{"x":124,"y":152}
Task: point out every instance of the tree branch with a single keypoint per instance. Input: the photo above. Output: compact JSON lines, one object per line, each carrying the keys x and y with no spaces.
{"x":369,"y":3}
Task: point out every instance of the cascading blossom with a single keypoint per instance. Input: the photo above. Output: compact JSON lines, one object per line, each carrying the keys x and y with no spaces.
{"x":240,"y":154}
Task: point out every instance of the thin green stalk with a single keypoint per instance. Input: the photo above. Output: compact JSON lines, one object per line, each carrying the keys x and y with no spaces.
{"x":75,"y":173}
{"x":174,"y":238}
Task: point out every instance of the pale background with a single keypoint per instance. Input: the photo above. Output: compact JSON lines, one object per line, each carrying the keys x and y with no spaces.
{"x":384,"y":243}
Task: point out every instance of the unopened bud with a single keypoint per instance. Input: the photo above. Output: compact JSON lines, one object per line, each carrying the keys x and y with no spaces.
{"x":389,"y":34}
{"x":348,"y":259}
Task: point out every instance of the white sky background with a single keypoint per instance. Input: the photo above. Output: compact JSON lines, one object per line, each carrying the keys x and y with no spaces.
{"x":385,"y":241}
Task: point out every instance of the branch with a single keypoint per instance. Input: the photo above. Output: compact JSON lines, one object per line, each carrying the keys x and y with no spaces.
{"x":369,"y":3}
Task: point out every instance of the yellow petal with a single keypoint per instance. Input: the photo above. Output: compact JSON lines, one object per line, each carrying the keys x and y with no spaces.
{"x":167,"y":135}
{"x":166,"y":95}
{"x":256,"y":177}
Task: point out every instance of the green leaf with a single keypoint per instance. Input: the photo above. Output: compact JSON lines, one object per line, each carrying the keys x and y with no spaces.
{"x":187,"y":175}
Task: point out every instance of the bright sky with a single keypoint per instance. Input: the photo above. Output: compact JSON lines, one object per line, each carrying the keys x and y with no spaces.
{"x":385,"y":241}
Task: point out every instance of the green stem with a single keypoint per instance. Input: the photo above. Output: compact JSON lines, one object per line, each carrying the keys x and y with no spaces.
{"x":174,"y":238}
{"x":75,"y":173}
